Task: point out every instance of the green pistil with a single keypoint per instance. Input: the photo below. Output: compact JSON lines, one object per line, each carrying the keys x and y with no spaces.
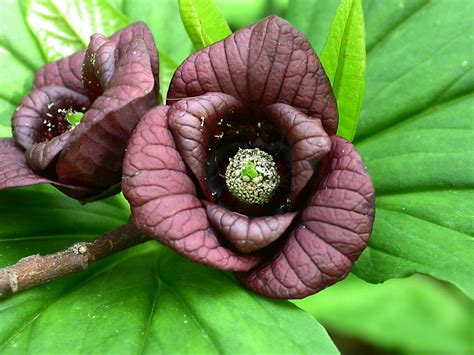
{"x":251,"y":176}
{"x":249,"y":171}
{"x":74,"y":117}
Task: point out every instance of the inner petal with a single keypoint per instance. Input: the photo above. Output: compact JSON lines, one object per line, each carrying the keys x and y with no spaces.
{"x":248,"y":234}
{"x":43,"y":114}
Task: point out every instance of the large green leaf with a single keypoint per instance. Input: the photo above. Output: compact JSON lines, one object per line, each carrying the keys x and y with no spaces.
{"x":203,"y":21}
{"x":415,"y":135}
{"x":146,"y":299}
{"x":313,"y":18}
{"x":170,"y":36}
{"x":19,"y":57}
{"x":414,"y":315}
{"x":343,"y":59}
{"x":63,"y":27}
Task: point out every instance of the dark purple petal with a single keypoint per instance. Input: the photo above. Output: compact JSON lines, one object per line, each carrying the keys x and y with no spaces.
{"x":192,"y":121}
{"x":28,"y":120}
{"x":95,"y":151}
{"x":13,"y":169}
{"x":269,"y":62}
{"x":248,"y":234}
{"x":163,"y":198}
{"x":99,"y":64}
{"x":309,"y":143}
{"x":65,"y":72}
{"x":333,"y":231}
{"x":15,"y":173}
{"x":128,"y":34}
{"x":40,"y":156}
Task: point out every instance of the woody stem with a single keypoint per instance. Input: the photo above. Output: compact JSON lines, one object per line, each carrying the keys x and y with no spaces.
{"x":36,"y":269}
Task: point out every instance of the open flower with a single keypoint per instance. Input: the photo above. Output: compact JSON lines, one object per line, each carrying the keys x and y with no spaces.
{"x":71,"y":130}
{"x":242,"y":170}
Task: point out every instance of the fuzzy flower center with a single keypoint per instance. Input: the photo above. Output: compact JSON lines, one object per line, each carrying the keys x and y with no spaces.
{"x":252,"y":176}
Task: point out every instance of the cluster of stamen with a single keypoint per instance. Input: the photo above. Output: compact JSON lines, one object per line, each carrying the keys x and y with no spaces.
{"x":60,"y":121}
{"x":251,"y":176}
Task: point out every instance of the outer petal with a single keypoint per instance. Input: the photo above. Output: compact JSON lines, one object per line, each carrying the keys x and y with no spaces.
{"x":15,"y":173}
{"x":66,"y":72}
{"x":95,"y":151}
{"x":193,"y":121}
{"x":248,"y":234}
{"x":333,"y":231}
{"x":309,"y":143}
{"x":13,"y":169}
{"x":163,"y":197}
{"x":265,"y":63}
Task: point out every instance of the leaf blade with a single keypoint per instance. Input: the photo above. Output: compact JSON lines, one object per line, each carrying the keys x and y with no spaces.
{"x":343,"y":58}
{"x":64,"y":27}
{"x":203,"y":22}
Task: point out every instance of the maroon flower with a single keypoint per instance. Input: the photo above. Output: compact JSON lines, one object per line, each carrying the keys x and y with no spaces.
{"x":111,"y":85}
{"x":243,"y":171}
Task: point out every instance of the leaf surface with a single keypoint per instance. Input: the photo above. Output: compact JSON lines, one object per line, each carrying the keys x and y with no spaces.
{"x":415,"y":135}
{"x":203,"y":21}
{"x":343,"y":59}
{"x":144,"y":300}
{"x":19,"y":54}
{"x":419,"y":314}
{"x":63,"y":27}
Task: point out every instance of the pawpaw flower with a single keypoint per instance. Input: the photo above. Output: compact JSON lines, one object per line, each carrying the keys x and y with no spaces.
{"x":243,"y":171}
{"x":71,"y":130}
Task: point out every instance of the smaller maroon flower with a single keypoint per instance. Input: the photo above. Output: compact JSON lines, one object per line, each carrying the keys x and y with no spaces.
{"x":71,"y":130}
{"x":243,"y":170}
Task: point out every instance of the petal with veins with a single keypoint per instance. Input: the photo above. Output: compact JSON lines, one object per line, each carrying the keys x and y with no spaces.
{"x":269,"y":62}
{"x":163,"y":198}
{"x":193,"y":121}
{"x":332,"y":232}
{"x":309,"y":142}
{"x":248,"y":234}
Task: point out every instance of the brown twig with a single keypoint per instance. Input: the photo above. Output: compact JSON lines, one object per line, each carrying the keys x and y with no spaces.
{"x":36,"y":269}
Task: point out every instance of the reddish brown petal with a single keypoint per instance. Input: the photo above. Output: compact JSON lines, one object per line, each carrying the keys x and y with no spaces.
{"x":247,"y":234}
{"x":269,"y":62}
{"x":192,"y":121}
{"x":41,"y":155}
{"x":136,"y":30}
{"x":15,"y":173}
{"x":27,"y":121}
{"x":13,"y":169}
{"x":95,"y":151}
{"x":309,"y":143}
{"x":99,"y":64}
{"x":333,"y":232}
{"x":163,"y":198}
{"x":66,"y":72}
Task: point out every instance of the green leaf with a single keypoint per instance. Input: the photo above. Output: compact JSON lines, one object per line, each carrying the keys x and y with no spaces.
{"x":343,"y":59}
{"x":203,"y":22}
{"x":165,"y":23}
{"x":313,"y":18}
{"x":144,"y":300}
{"x":415,"y":136}
{"x":415,"y":315}
{"x":64,"y":27}
{"x":20,"y":55}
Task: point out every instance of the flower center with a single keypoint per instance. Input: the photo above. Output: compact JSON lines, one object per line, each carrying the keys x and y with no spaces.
{"x":252,"y":176}
{"x":60,"y":121}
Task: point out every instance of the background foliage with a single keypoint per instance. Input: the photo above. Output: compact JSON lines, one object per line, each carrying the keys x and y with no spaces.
{"x":414,"y":133}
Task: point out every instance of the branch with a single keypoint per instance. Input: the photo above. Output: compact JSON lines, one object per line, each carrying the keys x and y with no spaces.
{"x":36,"y":269}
